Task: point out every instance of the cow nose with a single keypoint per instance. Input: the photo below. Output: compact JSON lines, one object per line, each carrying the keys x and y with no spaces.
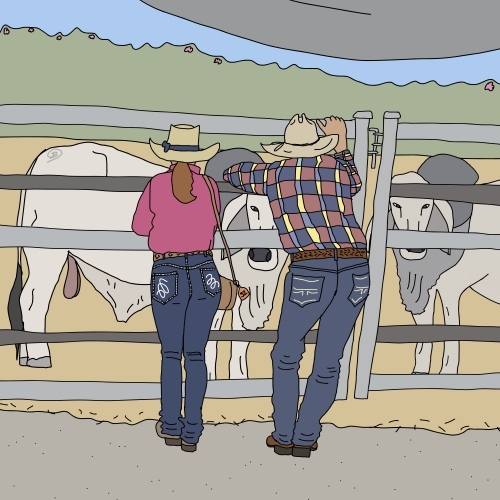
{"x":260,"y":254}
{"x":415,"y":250}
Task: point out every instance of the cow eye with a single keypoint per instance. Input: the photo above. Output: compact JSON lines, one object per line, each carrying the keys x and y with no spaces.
{"x":254,"y":208}
{"x":426,"y":205}
{"x":396,"y":205}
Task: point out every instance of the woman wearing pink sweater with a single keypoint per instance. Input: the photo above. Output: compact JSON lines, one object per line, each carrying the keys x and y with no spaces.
{"x":175,"y":211}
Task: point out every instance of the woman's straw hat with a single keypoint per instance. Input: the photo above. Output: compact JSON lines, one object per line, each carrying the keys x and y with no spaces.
{"x":183,"y":145}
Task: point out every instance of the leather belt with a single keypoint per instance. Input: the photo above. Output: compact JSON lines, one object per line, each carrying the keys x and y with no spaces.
{"x":168,"y":255}
{"x":342,"y":253}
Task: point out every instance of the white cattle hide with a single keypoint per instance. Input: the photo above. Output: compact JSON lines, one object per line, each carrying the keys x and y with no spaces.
{"x":86,"y":210}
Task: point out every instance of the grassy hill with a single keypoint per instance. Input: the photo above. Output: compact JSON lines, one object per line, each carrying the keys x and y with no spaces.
{"x":40,"y":69}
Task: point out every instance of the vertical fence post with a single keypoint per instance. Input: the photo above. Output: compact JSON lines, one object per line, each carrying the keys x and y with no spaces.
{"x":362,"y":124}
{"x":378,"y":250}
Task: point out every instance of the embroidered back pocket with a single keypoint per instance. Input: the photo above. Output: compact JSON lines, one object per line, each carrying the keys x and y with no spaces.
{"x":211,"y":281}
{"x":164,"y":286}
{"x":360,"y":288}
{"x":306,"y":289}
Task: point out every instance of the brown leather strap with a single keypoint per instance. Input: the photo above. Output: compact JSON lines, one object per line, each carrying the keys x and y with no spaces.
{"x":167,"y":255}
{"x":217,"y":217}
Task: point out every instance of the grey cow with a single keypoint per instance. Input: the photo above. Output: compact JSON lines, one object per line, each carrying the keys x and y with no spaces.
{"x":423,"y":272}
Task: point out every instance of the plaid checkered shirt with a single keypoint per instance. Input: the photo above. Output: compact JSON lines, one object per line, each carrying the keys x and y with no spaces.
{"x":310,"y":198}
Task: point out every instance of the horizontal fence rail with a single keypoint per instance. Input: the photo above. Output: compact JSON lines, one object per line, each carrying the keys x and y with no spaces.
{"x":397,"y":238}
{"x":40,"y":237}
{"x":408,"y":334}
{"x":459,"y":381}
{"x":479,"y":194}
{"x":45,"y":390}
{"x":88,"y":183}
{"x":449,"y":132}
{"x":104,"y":116}
{"x":398,"y":334}
{"x":220,"y":389}
{"x":11,"y":337}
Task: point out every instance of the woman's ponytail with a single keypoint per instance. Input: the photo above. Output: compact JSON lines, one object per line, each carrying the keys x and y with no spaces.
{"x":182,"y":183}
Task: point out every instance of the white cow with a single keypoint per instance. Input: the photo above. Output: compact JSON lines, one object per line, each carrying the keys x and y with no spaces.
{"x":257,"y":269}
{"x":423,"y":272}
{"x":121,"y":277}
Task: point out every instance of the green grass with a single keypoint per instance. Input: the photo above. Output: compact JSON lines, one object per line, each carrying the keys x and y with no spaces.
{"x":39,"y":69}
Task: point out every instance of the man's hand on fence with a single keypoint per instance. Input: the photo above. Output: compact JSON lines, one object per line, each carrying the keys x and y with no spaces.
{"x":335,"y":126}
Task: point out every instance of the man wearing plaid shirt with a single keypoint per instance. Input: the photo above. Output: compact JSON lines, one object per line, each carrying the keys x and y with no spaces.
{"x":310,"y":195}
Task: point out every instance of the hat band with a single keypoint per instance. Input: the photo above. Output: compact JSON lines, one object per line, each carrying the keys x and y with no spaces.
{"x":300,"y":145}
{"x":171,"y":147}
{"x":307,"y":144}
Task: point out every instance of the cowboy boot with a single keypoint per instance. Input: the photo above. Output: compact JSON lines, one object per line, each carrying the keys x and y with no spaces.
{"x":169,"y":440}
{"x":188,"y":447}
{"x":304,"y":451}
{"x":279,"y":449}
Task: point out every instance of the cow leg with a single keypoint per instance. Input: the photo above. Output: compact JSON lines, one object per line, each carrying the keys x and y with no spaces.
{"x":423,"y":351}
{"x":238,"y":368}
{"x":23,"y":355}
{"x":211,"y":348}
{"x":44,"y":270}
{"x":451,"y":354}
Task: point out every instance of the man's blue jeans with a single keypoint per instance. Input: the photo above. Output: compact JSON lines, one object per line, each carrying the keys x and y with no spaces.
{"x":185,"y":293}
{"x":332,"y":291}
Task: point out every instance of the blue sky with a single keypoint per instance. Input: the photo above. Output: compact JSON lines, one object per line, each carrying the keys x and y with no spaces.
{"x":132,"y":22}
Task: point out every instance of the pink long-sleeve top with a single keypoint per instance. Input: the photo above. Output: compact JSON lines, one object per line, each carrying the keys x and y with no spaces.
{"x":173,"y":226}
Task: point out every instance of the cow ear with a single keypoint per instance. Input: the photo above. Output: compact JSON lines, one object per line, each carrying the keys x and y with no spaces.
{"x":390,"y":221}
{"x":223,"y":253}
{"x":445,"y":209}
{"x":232,"y":209}
{"x":368,"y":235}
{"x":233,"y":214}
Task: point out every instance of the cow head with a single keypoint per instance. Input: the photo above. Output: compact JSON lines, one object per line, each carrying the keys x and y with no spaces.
{"x":257,"y":269}
{"x":419,"y":269}
{"x":244,"y":211}
{"x":252,"y":211}
{"x":417,"y":214}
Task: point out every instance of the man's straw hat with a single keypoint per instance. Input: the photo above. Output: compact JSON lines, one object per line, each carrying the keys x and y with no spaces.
{"x":302,"y":140}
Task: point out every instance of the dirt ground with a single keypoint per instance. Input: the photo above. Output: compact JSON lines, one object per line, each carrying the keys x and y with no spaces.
{"x":58,"y":457}
{"x":449,"y":412}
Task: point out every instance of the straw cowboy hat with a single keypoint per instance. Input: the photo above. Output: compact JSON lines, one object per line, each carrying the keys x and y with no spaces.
{"x":183,"y":145}
{"x":302,"y":140}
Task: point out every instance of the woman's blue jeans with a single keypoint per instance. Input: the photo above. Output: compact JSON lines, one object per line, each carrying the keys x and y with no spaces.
{"x":185,"y":293}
